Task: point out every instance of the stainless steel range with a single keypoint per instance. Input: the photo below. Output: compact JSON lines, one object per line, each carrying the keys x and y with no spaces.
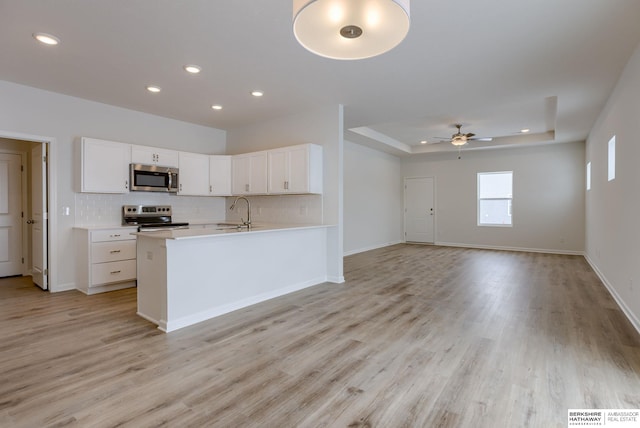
{"x":150,"y":218}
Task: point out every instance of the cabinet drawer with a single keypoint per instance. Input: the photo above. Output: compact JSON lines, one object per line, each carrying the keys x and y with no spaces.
{"x":113,"y":235}
{"x":104,"y":273}
{"x":113,"y":251}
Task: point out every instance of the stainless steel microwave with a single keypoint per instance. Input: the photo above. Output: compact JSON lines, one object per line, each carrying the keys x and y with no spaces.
{"x":152,"y":178}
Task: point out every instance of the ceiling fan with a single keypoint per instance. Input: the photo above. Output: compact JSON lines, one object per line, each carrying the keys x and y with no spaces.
{"x":459,"y":139}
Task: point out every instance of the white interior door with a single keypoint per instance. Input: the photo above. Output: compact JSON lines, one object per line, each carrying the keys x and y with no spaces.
{"x":39,"y":216}
{"x":419,"y":211}
{"x":10,"y":215}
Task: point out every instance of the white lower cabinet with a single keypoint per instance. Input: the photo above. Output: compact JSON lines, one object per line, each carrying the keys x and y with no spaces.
{"x":106,"y":259}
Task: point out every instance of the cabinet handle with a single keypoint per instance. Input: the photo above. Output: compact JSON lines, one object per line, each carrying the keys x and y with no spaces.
{"x":181,"y":187}
{"x":126,"y":184}
{"x":114,"y":251}
{"x":210,"y":189}
{"x":246,"y":187}
{"x":114,"y":236}
{"x":115,"y":272}
{"x":286,"y":185}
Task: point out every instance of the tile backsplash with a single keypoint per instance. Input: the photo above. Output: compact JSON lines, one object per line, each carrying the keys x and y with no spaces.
{"x":106,"y":209}
{"x":93,"y":209}
{"x":296,"y":209}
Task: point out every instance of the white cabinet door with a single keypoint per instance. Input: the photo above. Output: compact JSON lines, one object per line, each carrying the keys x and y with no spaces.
{"x":219,"y":175}
{"x":104,"y":166}
{"x":154,"y":156}
{"x":240,"y":165}
{"x":278,"y":171}
{"x":299,"y":170}
{"x":258,"y":173}
{"x":194,"y":174}
{"x":295,"y":169}
{"x":249,"y":173}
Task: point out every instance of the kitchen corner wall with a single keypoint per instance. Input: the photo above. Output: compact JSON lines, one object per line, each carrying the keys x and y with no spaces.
{"x":33,"y":114}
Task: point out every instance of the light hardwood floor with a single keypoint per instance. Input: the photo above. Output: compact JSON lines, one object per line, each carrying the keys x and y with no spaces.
{"x":418,"y":336}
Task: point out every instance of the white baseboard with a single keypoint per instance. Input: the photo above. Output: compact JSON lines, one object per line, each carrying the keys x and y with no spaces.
{"x":522,"y":249}
{"x":371,"y":247}
{"x":633,"y":319}
{"x":62,"y":287}
{"x":335,"y":279}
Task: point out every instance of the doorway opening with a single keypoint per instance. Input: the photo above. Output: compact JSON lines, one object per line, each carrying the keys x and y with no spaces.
{"x":25,"y":235}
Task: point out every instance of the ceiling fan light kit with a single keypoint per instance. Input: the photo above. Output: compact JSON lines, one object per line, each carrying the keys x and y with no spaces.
{"x":350,"y":29}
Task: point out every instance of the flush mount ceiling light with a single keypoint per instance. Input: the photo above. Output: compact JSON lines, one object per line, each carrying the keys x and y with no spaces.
{"x":350,"y":29}
{"x":154,"y":89}
{"x":46,"y":39}
{"x":524,"y":131}
{"x":193,"y":69}
{"x":257,"y":93}
{"x":216,"y":107}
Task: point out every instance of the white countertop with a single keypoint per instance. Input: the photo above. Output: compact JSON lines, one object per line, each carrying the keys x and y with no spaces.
{"x":198,"y":232}
{"x":105,"y":227}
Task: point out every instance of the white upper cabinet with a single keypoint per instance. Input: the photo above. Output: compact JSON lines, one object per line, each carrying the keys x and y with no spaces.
{"x":249,"y":174}
{"x":295,"y":169}
{"x":154,"y":156}
{"x":219,"y":175}
{"x":104,"y":166}
{"x":193,"y":174}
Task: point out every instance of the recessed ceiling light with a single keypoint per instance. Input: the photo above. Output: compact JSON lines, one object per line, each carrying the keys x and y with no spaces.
{"x":257,"y":93}
{"x":193,"y":69}
{"x":47,"y":39}
{"x":216,"y":107}
{"x":154,"y":89}
{"x":525,"y":130}
{"x":423,"y":142}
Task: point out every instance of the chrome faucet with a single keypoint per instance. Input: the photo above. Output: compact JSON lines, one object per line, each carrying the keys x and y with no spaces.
{"x":233,"y":205}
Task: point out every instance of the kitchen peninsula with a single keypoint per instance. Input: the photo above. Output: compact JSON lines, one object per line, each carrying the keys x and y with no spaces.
{"x":191,"y":275}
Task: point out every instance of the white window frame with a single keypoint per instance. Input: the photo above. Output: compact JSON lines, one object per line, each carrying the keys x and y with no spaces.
{"x":479,"y":199}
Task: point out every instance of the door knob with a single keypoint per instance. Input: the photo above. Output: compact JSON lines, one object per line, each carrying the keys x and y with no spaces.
{"x":30,"y":221}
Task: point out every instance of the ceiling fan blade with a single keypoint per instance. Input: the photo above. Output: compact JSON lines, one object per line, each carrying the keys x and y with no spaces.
{"x":470,"y":134}
{"x":481,"y":139}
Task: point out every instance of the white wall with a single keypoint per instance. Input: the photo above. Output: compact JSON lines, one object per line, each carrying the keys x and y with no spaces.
{"x":63,"y":119}
{"x":548,"y":201}
{"x":373,"y":199}
{"x":613,"y":207}
{"x":324,"y":127}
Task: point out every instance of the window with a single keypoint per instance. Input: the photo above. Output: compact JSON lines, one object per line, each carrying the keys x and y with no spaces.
{"x":588,"y":175}
{"x":612,"y":159}
{"x":494,"y":198}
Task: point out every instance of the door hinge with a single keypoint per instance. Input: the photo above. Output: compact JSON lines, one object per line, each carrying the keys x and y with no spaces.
{"x":46,"y":272}
{"x":21,"y":168}
{"x":23,"y":260}
{"x":22,"y":214}
{"x":44,"y":159}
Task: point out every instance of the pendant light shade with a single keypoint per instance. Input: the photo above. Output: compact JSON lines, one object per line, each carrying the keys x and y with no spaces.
{"x":350,"y":29}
